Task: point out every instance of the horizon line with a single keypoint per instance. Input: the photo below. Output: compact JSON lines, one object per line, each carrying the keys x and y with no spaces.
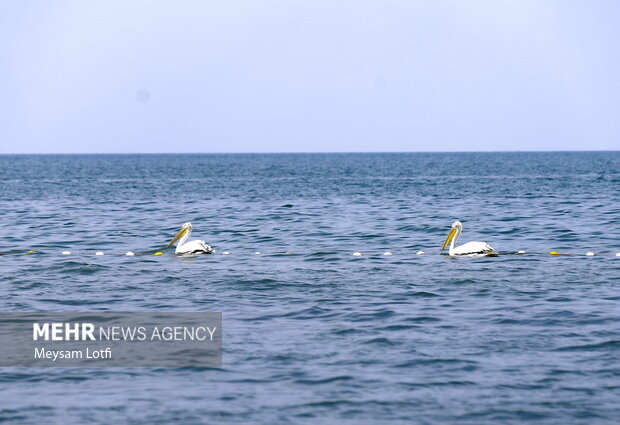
{"x":306,"y":152}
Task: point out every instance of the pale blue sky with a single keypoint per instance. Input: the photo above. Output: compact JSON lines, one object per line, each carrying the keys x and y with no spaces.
{"x":309,"y":76}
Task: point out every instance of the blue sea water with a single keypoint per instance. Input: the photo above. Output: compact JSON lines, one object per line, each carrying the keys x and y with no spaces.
{"x":318,"y":336}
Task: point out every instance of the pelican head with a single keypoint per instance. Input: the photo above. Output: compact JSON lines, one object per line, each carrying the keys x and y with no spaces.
{"x":186,"y":230}
{"x":456,"y":229}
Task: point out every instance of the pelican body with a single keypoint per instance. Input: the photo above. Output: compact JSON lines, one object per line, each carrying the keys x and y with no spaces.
{"x":191,"y":247}
{"x":470,"y":248}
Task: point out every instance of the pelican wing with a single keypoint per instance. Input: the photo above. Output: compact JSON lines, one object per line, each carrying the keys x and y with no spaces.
{"x":194,"y":247}
{"x":472,"y":248}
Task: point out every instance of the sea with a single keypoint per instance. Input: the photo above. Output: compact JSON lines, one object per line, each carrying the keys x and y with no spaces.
{"x":313,"y":334}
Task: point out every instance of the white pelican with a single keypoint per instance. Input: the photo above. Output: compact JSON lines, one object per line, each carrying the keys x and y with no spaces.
{"x":191,"y":247}
{"x":470,"y":248}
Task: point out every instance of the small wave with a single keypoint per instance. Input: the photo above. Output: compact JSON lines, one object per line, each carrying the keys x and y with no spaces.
{"x":422,"y":319}
{"x":607,"y":345}
{"x":363,"y":317}
{"x":424,"y":294}
{"x":325,"y":380}
{"x":380,"y":341}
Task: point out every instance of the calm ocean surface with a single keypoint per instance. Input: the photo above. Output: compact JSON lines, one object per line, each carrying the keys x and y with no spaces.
{"x":319,"y":336}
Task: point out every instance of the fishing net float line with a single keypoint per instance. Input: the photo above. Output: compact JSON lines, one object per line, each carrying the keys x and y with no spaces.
{"x":297,"y":253}
{"x":193,"y":247}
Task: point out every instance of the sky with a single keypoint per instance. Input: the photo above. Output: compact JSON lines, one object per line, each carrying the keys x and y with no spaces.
{"x":309,"y":76}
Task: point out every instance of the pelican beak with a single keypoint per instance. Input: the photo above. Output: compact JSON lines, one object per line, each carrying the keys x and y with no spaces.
{"x":448,"y":239}
{"x":177,"y":237}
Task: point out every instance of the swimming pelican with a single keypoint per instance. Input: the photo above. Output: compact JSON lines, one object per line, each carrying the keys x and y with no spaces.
{"x":470,"y":248}
{"x":191,"y":247}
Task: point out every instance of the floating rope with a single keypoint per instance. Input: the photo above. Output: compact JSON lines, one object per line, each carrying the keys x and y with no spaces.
{"x":98,"y":253}
{"x":354,"y":254}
